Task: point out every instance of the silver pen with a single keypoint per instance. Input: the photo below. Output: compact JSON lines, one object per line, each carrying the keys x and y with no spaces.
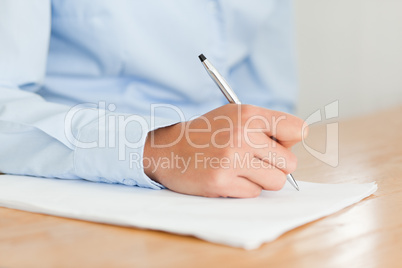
{"x":232,"y":98}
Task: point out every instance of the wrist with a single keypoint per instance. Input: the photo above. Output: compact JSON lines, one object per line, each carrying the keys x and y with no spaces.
{"x":158,"y":145}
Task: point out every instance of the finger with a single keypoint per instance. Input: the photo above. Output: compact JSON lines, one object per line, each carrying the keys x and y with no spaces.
{"x":240,"y":187}
{"x":286,"y":128}
{"x":273,"y":153}
{"x":265,"y":175}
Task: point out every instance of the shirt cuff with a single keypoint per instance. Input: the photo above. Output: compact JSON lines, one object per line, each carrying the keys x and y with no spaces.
{"x":110,"y":149}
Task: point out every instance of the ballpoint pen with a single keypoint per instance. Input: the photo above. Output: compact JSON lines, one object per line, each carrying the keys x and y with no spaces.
{"x":232,"y":98}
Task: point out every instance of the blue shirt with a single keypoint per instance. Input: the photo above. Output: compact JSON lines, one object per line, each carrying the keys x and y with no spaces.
{"x":121,"y":58}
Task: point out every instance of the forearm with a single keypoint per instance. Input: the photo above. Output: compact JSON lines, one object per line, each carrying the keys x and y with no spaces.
{"x":46,"y":139}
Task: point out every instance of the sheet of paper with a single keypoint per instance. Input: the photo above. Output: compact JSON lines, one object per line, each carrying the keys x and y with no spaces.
{"x":245,"y":223}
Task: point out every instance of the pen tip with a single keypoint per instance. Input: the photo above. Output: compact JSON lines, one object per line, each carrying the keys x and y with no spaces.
{"x":296,"y":186}
{"x":202,"y":57}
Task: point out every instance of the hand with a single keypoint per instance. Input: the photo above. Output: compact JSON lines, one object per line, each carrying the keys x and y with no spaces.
{"x":227,"y":152}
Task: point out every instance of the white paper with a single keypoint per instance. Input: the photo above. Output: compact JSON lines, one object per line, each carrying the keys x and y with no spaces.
{"x":244,"y":223}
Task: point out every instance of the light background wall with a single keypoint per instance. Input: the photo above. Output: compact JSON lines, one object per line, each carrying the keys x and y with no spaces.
{"x":351,"y":51}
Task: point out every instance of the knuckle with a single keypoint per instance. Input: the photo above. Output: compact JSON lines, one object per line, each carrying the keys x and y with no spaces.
{"x":246,"y":112}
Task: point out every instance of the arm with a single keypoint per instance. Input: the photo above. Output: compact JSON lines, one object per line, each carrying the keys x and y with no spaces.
{"x":35,"y":137}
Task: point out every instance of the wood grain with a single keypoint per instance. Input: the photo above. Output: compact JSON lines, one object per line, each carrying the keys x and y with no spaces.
{"x":368,"y":234}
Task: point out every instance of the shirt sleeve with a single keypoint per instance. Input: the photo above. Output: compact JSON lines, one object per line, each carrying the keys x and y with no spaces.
{"x":273,"y":59}
{"x":46,"y":139}
{"x":267,"y":76}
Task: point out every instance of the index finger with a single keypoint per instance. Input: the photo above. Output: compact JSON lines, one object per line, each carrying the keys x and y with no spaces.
{"x":285,"y":128}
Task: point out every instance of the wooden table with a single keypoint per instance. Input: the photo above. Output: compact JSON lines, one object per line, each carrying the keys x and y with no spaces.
{"x":368,"y":234}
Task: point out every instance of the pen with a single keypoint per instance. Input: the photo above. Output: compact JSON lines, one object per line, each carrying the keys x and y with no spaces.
{"x":232,"y":98}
